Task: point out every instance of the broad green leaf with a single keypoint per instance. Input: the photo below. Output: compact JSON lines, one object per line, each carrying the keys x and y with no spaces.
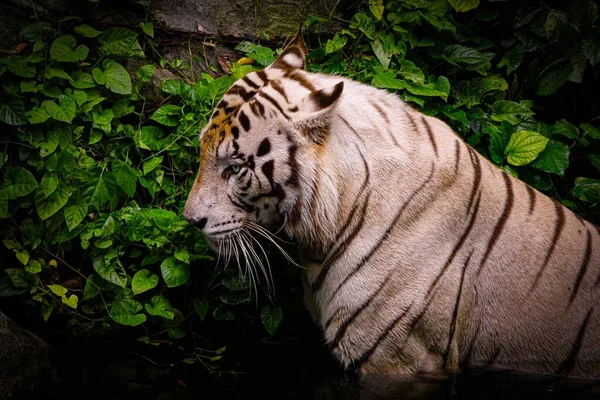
{"x":383,"y":56}
{"x":160,"y":307}
{"x":12,"y":110}
{"x":175,"y":87}
{"x":87,"y":31}
{"x":20,"y":182}
{"x":553,"y":79}
{"x":110,"y":272}
{"x":182,"y":255}
{"x":33,"y":267}
{"x":411,"y":72}
{"x":387,"y":81}
{"x":143,"y":280}
{"x":554,"y":158}
{"x":163,"y":218}
{"x":49,"y":184}
{"x":30,"y":86}
{"x":37,"y":115}
{"x":116,"y":78}
{"x":147,"y":28}
{"x":236,"y":283}
{"x":19,"y":66}
{"x":90,"y":290}
{"x":79,"y":96}
{"x":201,"y":307}
{"x":336,"y":43}
{"x":126,"y":176}
{"x":57,"y":73}
{"x":150,"y":164}
{"x":376,"y":7}
{"x":101,"y":189}
{"x":48,"y":206}
{"x":464,"y":5}
{"x":22,"y":256}
{"x":124,"y":312}
{"x":524,"y":147}
{"x":271,"y":317}
{"x":20,"y":278}
{"x":63,"y":50}
{"x":174,"y":273}
{"x":510,"y":111}
{"x":587,"y":189}
{"x":146,"y":72}
{"x":119,"y":41}
{"x":122,"y":108}
{"x":70,"y":301}
{"x":11,"y":244}
{"x":82,"y":80}
{"x":64,"y":111}
{"x":75,"y":213}
{"x":58,"y":290}
{"x":167,"y":115}
{"x":471,"y":59}
{"x":590,"y":130}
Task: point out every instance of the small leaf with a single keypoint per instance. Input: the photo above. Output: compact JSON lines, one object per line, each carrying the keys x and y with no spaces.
{"x":20,"y":182}
{"x":116,"y":78}
{"x":271,"y":317}
{"x":22,"y":256}
{"x":124,"y":312}
{"x":510,"y":111}
{"x":126,"y":177}
{"x":590,"y":130}
{"x":174,"y":273}
{"x":168,"y":115}
{"x":201,"y":307}
{"x":587,"y":189}
{"x":335,"y":44}
{"x":376,"y":7}
{"x":182,"y":255}
{"x":64,"y":111}
{"x":82,"y":80}
{"x":101,"y":189}
{"x":48,"y":206}
{"x":110,"y":272}
{"x":62,"y":50}
{"x":87,"y":31}
{"x":160,"y":307}
{"x":90,"y":289}
{"x":147,"y":28}
{"x":58,"y":290}
{"x":464,"y":5}
{"x":387,"y":81}
{"x":146,"y":72}
{"x":143,"y":280}
{"x":151,"y":164}
{"x":554,"y":159}
{"x":75,"y":213}
{"x":70,"y":301}
{"x":524,"y":147}
{"x":33,"y":267}
{"x":49,"y":184}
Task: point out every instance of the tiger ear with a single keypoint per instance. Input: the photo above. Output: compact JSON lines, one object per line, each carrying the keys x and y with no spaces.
{"x":315,"y":111}
{"x":294,"y":54}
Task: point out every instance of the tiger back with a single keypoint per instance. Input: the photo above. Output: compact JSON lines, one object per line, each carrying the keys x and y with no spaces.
{"x":420,"y":254}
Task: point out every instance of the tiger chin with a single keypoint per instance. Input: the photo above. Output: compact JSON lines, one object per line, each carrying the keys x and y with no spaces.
{"x":420,"y":255}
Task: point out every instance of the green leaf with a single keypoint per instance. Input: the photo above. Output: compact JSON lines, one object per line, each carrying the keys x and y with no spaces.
{"x":75,"y":213}
{"x":160,"y":307}
{"x":11,"y":245}
{"x":376,"y":7}
{"x":163,"y":218}
{"x":124,"y":312}
{"x":201,"y":307}
{"x":22,"y":256}
{"x":70,"y":301}
{"x":143,"y":280}
{"x":19,"y":66}
{"x":387,"y":81}
{"x":182,"y":255}
{"x":150,"y":164}
{"x":58,"y":290}
{"x":64,"y":111}
{"x":20,"y":182}
{"x":590,"y":130}
{"x":30,"y":86}
{"x":62,"y":50}
{"x":336,"y":43}
{"x":236,"y":283}
{"x":554,"y":159}
{"x":411,"y":72}
{"x":101,"y":189}
{"x":120,"y":41}
{"x":464,"y":5}
{"x":82,"y":80}
{"x":383,"y":56}
{"x":471,"y":59}
{"x":49,"y":184}
{"x":271,"y":317}
{"x":37,"y":115}
{"x":126,"y":177}
{"x":110,"y":271}
{"x":174,"y":273}
{"x":79,"y":96}
{"x":510,"y":111}
{"x":12,"y":110}
{"x":20,"y":278}
{"x":48,"y":206}
{"x":90,"y":289}
{"x":167,"y":115}
{"x":587,"y":189}
{"x":57,"y":73}
{"x":524,"y":147}
{"x":116,"y":78}
{"x":553,"y":79}
{"x":87,"y":31}
{"x":146,"y":72}
{"x":147,"y":28}
{"x":33,"y":267}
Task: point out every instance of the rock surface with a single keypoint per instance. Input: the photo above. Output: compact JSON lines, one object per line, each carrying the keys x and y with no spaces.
{"x":25,"y":359}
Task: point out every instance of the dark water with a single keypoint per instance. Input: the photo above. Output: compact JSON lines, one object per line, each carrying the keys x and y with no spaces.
{"x":275,"y":371}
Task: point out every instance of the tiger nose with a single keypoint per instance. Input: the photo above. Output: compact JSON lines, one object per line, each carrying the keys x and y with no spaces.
{"x":197,"y":222}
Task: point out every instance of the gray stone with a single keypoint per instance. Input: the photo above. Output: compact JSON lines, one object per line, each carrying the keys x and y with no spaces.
{"x":25,"y":359}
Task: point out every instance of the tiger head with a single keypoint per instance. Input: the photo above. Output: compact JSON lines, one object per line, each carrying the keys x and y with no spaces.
{"x":258,"y":152}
